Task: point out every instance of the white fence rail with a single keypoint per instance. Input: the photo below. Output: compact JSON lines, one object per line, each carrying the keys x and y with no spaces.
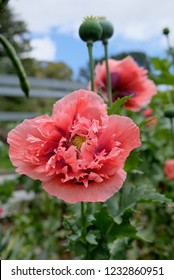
{"x":39,"y":88}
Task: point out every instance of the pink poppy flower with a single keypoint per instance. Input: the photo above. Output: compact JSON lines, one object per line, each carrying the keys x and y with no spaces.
{"x":169,"y":169}
{"x":79,"y":152}
{"x":148,"y":114}
{"x":127,"y":78}
{"x":1,"y":212}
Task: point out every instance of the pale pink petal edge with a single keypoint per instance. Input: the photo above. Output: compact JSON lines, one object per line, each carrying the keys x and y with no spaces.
{"x":96,"y":192}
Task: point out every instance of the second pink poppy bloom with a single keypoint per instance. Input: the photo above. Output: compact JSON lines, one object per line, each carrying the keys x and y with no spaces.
{"x":127,"y":78}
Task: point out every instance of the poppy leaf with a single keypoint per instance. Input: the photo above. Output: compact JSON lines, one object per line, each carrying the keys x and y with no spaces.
{"x":118,"y":104}
{"x":129,"y":197}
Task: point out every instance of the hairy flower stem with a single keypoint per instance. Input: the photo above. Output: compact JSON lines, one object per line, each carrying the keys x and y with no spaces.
{"x":168,"y":43}
{"x":84,"y":232}
{"x":91,"y":62}
{"x":169,"y":97}
{"x":170,"y":53}
{"x":109,"y":88}
{"x":82,"y":212}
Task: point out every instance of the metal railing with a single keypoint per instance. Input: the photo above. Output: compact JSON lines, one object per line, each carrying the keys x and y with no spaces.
{"x":40,"y":88}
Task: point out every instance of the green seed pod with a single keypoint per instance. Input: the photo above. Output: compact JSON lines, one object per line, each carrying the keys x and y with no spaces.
{"x":166,"y":31}
{"x":107,"y":29}
{"x":90,"y":30}
{"x":169,"y":112}
{"x":11,"y":53}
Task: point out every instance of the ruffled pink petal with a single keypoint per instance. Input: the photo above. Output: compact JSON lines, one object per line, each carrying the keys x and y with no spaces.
{"x":95,"y":192}
{"x":128,"y":70}
{"x":25,"y":134}
{"x":81,"y":103}
{"x":132,"y":79}
{"x":143,"y":96}
{"x":125,"y":68}
{"x":126,"y":133}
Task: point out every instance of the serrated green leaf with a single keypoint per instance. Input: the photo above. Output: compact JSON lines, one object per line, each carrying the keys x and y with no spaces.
{"x":6,"y":190}
{"x":161,"y":64}
{"x":110,"y":228}
{"x":117,"y":104}
{"x":74,"y":237}
{"x":5,"y":242}
{"x":128,"y":198}
{"x":163,"y":79}
{"x":91,"y":237}
{"x":118,"y":249}
{"x":144,"y":122}
{"x":132,"y":161}
{"x":68,"y":223}
{"x":125,"y":229}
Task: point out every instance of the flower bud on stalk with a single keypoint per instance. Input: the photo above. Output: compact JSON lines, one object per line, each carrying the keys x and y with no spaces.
{"x":166,"y":31}
{"x":90,"y":31}
{"x":169,"y":112}
{"x":107,"y":29}
{"x":107,"y":32}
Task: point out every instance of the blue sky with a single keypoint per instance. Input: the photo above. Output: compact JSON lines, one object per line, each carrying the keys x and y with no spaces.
{"x":73,"y":51}
{"x":54,"y":27}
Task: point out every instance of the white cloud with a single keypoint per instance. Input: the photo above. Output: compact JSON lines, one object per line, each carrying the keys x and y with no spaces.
{"x":135,"y":19}
{"x":43,"y":49}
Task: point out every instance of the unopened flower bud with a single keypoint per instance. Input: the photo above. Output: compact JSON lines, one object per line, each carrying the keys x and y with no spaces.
{"x":166,"y":31}
{"x":90,"y":30}
{"x":169,"y":112}
{"x":107,"y":29}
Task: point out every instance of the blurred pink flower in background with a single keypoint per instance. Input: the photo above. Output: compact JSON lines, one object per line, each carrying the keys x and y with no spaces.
{"x":127,"y":78}
{"x":169,"y":169}
{"x":148,"y":114}
{"x":1,"y":212}
{"x":79,"y":152}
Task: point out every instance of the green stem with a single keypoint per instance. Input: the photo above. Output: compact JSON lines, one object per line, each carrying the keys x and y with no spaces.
{"x":169,"y":96}
{"x":91,"y":62}
{"x":170,"y":51}
{"x":84,"y":230}
{"x":82,"y":211}
{"x":168,"y":43}
{"x":109,"y":88}
{"x":172,"y":131}
{"x":83,"y":219}
{"x":110,"y":227}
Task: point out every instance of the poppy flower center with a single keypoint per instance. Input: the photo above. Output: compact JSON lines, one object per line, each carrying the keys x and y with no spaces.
{"x":78,"y":141}
{"x":115,"y":80}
